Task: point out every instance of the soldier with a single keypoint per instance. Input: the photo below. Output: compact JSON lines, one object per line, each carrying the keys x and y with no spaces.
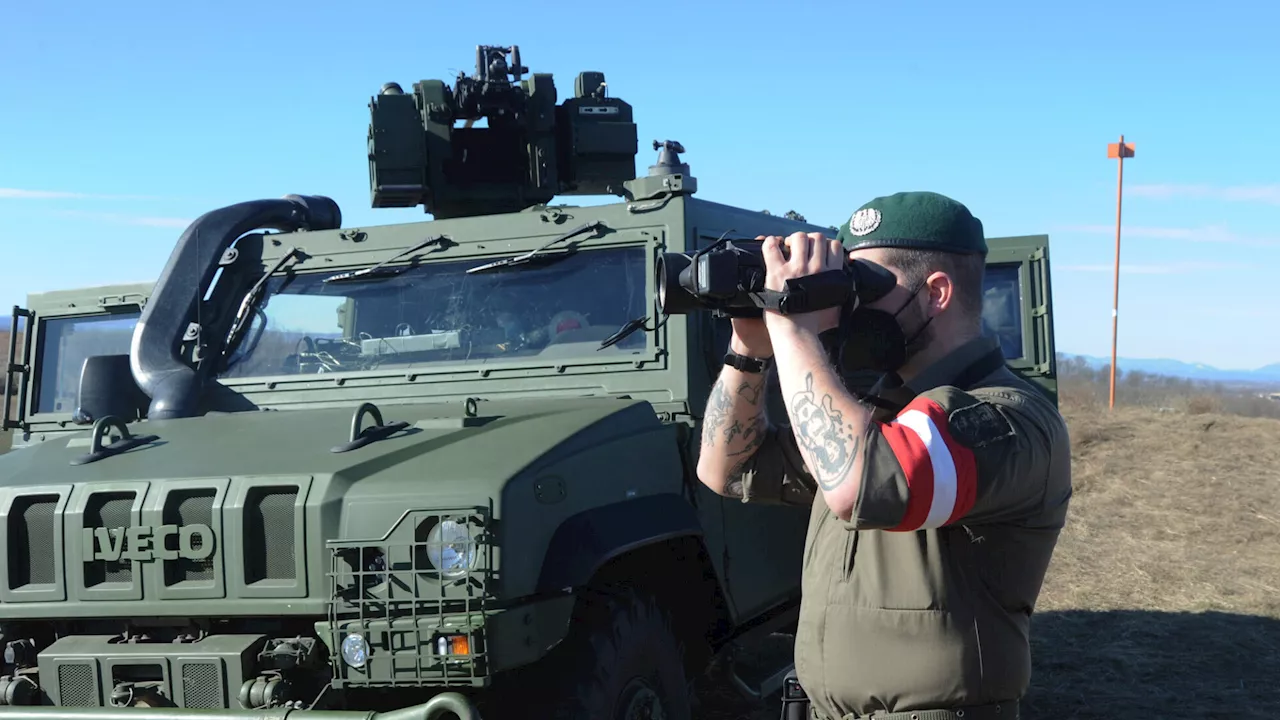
{"x":937,"y":498}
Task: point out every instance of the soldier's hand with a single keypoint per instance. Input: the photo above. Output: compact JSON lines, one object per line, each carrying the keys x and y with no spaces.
{"x":808,"y":254}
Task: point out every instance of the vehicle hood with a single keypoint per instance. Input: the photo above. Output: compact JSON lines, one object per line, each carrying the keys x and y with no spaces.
{"x":442,"y":443}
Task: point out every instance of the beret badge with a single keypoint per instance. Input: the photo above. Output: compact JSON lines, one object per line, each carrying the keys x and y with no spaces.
{"x":864,"y":221}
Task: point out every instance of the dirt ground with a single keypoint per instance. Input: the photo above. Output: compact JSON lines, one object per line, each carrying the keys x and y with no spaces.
{"x":1163,"y":599}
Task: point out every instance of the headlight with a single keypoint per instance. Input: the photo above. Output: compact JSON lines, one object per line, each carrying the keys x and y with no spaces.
{"x":355,"y":651}
{"x":451,"y":549}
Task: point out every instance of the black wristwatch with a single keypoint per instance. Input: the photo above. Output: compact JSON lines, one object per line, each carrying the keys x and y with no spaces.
{"x":747,"y":364}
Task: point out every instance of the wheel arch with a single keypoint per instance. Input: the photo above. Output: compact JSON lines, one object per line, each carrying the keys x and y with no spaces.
{"x":654,"y":544}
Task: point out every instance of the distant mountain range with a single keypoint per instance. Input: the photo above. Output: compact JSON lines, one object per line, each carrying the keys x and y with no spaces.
{"x":1269,"y":374}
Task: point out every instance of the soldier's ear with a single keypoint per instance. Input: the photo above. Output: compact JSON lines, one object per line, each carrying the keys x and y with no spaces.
{"x":940,"y":293}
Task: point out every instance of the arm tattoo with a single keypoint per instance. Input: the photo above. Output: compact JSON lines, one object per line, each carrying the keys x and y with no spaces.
{"x":754,"y":436}
{"x":720,"y":413}
{"x":820,"y":430}
{"x":733,"y":488}
{"x":725,"y":421}
{"x":717,"y":414}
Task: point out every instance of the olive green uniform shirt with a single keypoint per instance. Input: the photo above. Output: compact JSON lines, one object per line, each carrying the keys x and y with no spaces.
{"x":923,"y":600}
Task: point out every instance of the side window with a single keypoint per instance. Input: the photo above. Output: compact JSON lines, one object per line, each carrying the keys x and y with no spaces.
{"x":65,"y":343}
{"x":1002,"y":308}
{"x":1017,"y":307}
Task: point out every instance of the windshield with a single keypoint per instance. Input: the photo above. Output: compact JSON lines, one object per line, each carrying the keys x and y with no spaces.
{"x":437,"y":313}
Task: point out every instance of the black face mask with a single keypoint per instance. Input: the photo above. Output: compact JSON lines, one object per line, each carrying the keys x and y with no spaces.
{"x":873,"y":339}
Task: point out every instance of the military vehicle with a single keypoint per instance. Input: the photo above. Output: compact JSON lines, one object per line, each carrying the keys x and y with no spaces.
{"x":408,"y":470}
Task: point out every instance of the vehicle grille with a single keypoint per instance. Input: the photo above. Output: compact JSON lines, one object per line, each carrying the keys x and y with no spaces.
{"x":182,"y":539}
{"x":95,"y":670}
{"x":190,"y":507}
{"x":78,"y":685}
{"x":109,"y":510}
{"x":31,"y":527}
{"x":202,"y":686}
{"x":270,"y":531}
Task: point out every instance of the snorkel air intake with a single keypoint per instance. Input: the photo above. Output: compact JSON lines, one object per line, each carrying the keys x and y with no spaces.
{"x":173,"y":384}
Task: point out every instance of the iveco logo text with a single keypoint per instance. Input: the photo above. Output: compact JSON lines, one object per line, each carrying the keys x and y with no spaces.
{"x":142,"y":543}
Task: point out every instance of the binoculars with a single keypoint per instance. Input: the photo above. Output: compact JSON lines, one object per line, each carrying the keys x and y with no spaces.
{"x":728,"y":279}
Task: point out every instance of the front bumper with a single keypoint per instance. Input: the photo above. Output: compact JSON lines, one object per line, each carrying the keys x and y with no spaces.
{"x":437,"y":707}
{"x":419,"y":626}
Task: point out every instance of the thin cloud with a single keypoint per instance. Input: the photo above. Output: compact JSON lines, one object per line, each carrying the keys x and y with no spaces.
{"x":1268,"y":194}
{"x":26,"y":194}
{"x":123,"y":219}
{"x":1159,"y":269}
{"x":156,"y":221}
{"x":1207,"y":234}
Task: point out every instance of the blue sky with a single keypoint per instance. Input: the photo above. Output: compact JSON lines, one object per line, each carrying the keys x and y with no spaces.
{"x":121,"y":122}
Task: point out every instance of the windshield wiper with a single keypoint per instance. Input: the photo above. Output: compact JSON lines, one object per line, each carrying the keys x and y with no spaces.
{"x":380,"y":270}
{"x":533,"y":255}
{"x":250,"y":300}
{"x":628,"y":330}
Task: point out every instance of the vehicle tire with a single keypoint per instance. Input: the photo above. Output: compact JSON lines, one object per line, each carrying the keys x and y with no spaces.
{"x":627,"y":664}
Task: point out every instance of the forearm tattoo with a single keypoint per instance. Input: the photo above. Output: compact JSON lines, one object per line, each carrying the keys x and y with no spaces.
{"x":821,"y":432}
{"x":739,"y":425}
{"x":733,"y":488}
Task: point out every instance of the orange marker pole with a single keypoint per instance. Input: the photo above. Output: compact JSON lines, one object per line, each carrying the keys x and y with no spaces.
{"x":1120,"y":151}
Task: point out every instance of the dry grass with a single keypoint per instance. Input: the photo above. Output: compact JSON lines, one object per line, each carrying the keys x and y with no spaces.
{"x":1163,"y":599}
{"x":1171,"y":512}
{"x":1164,"y":594}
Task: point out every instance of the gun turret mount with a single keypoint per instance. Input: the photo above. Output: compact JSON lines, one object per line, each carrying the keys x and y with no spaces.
{"x":668,"y":159}
{"x":668,"y":176}
{"x":531,"y":150}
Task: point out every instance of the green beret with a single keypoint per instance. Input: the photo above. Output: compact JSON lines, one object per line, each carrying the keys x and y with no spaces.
{"x":920,"y":220}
